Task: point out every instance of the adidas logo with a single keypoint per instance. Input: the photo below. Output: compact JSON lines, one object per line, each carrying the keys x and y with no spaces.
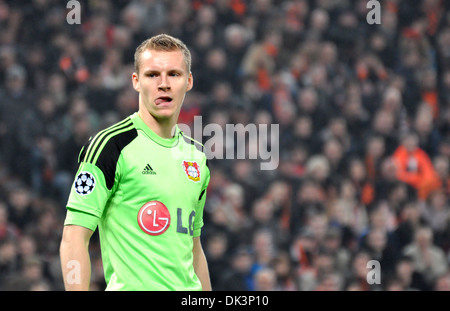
{"x":148,"y":170}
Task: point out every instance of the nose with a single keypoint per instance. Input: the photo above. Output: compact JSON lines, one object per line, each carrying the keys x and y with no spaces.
{"x":164,"y":83}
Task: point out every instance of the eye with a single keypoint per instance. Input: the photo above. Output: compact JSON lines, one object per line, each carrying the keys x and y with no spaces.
{"x":151,"y":74}
{"x":174,"y":74}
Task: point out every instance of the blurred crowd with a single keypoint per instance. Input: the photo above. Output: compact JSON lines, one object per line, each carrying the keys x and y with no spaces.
{"x":363,"y":112}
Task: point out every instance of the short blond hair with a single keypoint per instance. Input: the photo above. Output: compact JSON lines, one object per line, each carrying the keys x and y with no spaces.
{"x":162,"y":42}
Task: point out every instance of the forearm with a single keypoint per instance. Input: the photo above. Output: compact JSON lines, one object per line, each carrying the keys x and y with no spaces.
{"x":201,"y":265}
{"x":75,"y":260}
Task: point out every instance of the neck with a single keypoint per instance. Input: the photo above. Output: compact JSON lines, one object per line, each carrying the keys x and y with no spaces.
{"x":162,"y":128}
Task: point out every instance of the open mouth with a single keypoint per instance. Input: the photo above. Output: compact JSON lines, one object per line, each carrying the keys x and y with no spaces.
{"x":162,"y":100}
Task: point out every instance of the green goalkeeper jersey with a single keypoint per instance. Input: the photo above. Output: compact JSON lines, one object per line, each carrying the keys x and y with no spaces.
{"x":146,"y":195}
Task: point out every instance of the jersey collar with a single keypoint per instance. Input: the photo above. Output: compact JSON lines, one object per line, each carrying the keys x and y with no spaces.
{"x":166,"y":142}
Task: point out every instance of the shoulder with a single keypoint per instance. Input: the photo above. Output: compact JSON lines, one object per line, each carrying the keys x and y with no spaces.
{"x":189,"y":140}
{"x":197,"y":148}
{"x":103,"y":150}
{"x":111,"y":139}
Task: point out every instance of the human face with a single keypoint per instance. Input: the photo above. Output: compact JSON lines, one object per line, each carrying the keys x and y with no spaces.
{"x":162,"y":83}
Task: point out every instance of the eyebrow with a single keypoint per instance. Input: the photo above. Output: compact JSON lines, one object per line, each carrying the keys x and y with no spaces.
{"x":153,"y":71}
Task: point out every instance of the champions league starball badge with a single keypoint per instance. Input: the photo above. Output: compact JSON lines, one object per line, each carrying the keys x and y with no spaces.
{"x":84,"y":183}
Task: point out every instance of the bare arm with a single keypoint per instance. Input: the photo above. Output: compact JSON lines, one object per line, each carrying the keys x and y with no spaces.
{"x":200,"y":265}
{"x":75,"y":260}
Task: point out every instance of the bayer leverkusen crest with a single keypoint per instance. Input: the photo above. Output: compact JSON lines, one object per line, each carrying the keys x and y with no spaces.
{"x":192,"y":170}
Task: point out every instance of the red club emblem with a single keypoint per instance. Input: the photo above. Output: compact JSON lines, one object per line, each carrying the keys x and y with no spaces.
{"x":192,"y":170}
{"x":154,"y":218}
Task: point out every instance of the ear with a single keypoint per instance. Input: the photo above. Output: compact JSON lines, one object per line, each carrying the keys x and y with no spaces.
{"x":190,"y":82}
{"x":135,"y":80}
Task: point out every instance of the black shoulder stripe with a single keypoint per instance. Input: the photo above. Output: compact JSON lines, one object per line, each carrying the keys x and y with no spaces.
{"x":83,"y":150}
{"x":109,"y":155}
{"x":99,"y":139}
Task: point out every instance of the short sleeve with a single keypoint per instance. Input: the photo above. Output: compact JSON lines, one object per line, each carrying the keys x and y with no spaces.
{"x":89,"y":193}
{"x":96,"y":177}
{"x":74,"y":217}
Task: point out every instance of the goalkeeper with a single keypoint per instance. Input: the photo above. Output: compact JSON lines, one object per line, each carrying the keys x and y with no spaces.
{"x":142,"y":183}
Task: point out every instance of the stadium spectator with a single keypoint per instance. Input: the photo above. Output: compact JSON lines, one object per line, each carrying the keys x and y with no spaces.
{"x":415,"y":167}
{"x":428,"y":259}
{"x":407,"y":276}
{"x":285,"y":275}
{"x":265,"y":280}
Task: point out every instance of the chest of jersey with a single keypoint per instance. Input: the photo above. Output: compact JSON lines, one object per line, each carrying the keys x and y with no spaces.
{"x":151,"y":174}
